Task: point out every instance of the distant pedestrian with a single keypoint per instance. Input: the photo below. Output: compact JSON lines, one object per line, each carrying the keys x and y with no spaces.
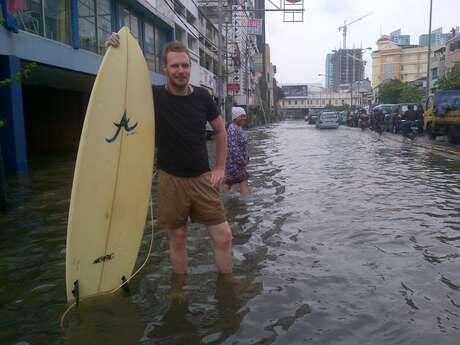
{"x":238,"y":154}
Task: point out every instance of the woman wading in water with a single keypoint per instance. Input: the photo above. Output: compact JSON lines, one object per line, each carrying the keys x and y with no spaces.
{"x":237,"y":155}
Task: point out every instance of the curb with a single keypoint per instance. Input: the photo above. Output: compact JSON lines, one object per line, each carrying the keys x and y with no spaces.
{"x":432,"y":147}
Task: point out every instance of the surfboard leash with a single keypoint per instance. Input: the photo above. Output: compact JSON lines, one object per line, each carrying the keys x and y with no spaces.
{"x":125,"y":281}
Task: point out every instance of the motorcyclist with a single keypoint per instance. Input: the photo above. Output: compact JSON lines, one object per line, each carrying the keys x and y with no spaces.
{"x":409,"y":117}
{"x":363,"y":119}
{"x":410,"y":114}
{"x":378,"y":119}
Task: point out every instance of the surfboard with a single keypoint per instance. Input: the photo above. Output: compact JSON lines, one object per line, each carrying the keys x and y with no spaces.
{"x":113,"y":174}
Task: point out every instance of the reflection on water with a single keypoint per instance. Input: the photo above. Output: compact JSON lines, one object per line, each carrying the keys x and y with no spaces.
{"x":347,"y":239}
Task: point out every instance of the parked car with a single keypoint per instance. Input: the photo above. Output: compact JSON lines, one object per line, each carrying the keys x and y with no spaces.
{"x":328,"y":119}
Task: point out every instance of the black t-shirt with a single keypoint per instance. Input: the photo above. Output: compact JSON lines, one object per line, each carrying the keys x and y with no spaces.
{"x":181,"y":130}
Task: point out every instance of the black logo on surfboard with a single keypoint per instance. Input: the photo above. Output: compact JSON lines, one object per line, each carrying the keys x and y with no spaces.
{"x":103,"y":258}
{"x":123,"y":124}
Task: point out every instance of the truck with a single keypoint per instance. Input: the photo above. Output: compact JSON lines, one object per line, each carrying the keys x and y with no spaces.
{"x":442,"y":115}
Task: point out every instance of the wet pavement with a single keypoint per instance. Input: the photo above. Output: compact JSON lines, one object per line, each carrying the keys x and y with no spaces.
{"x":348,"y":238}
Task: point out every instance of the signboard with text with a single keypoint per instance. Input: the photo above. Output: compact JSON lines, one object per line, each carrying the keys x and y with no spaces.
{"x":233,"y":87}
{"x":254,"y":26}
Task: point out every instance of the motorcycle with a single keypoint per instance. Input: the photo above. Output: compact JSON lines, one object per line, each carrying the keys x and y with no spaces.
{"x":409,"y":129}
{"x":363,"y":122}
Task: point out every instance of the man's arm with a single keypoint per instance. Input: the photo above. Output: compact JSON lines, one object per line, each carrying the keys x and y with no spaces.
{"x":218,"y":172}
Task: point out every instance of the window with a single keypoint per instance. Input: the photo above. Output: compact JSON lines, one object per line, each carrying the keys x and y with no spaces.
{"x":179,"y":8}
{"x":87,"y":23}
{"x":95,"y":21}
{"x":48,"y":18}
{"x":57,"y":20}
{"x":191,"y":18}
{"x":103,"y":22}
{"x":192,"y":42}
{"x":434,"y":73}
{"x":161,"y":38}
{"x":202,"y":59}
{"x":128,"y":18}
{"x":149,"y":45}
{"x":180,"y":34}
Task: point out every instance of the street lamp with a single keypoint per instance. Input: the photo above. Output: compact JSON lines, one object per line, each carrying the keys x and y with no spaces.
{"x":429,"y":53}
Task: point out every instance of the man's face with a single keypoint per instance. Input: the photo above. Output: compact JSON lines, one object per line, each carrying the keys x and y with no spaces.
{"x":178,"y":69}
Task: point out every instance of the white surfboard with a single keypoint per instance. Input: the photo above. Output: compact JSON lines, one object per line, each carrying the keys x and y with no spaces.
{"x":113,"y":174}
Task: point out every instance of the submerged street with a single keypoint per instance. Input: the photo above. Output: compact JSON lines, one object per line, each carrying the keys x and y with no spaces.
{"x":348,"y":238}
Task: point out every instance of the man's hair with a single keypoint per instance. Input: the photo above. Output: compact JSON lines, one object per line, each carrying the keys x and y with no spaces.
{"x":176,"y":47}
{"x":410,"y":107}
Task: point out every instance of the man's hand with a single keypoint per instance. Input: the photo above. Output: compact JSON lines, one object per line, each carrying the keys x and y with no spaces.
{"x":217,"y":177}
{"x":113,"y":41}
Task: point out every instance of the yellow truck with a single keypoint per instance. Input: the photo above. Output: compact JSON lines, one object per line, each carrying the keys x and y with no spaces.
{"x":442,"y":115}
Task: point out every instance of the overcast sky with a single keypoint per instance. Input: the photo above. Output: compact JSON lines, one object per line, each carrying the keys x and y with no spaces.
{"x":299,"y":49}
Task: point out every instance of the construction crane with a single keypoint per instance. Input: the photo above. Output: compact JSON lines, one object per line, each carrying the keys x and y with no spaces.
{"x":345,"y":26}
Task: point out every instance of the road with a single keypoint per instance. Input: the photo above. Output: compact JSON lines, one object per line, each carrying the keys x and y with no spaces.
{"x":348,"y":238}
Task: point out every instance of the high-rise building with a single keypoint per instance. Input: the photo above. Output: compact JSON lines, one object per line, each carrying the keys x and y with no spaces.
{"x":402,"y":40}
{"x":328,"y":75}
{"x":438,"y":38}
{"x":347,"y":66}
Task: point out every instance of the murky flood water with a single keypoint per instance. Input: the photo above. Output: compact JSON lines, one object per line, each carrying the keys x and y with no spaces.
{"x":347,"y":239}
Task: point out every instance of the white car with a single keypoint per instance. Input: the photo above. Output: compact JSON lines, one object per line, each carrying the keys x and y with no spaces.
{"x":328,"y":119}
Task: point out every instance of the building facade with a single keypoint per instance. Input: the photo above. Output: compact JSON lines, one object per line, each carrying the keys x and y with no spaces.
{"x":329,"y":71}
{"x":347,"y":67}
{"x":61,"y":42}
{"x":393,"y":61}
{"x":400,"y":39}
{"x":452,"y":51}
{"x":303,"y":99}
{"x":438,"y":38}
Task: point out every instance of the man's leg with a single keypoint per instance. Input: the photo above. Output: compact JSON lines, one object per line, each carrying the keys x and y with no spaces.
{"x":178,"y":249}
{"x":221,"y":236}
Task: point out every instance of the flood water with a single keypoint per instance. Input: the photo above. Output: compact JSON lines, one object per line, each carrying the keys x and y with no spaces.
{"x":347,"y":239}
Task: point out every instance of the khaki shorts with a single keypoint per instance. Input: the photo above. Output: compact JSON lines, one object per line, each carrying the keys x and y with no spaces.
{"x":182,"y":197}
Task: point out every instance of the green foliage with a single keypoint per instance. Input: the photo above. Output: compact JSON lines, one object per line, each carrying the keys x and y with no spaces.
{"x":451,"y":80}
{"x":395,"y":91}
{"x":24,"y":73}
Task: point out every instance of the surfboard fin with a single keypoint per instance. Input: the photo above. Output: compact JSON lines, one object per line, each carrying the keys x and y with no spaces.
{"x":125,"y":285}
{"x":76,"y":292}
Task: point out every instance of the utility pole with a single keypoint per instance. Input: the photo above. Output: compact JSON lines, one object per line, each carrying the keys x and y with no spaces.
{"x":429,"y":54}
{"x":220,"y":44}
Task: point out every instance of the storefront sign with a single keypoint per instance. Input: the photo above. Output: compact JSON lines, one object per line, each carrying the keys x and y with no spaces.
{"x":233,"y":87}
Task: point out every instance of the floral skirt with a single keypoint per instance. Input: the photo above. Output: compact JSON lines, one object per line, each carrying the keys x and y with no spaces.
{"x":235,"y":175}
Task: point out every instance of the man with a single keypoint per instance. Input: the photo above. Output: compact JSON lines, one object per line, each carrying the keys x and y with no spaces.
{"x":410,"y":116}
{"x":186,"y":186}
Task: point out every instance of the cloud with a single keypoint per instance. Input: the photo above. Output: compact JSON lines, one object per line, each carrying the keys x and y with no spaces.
{"x":299,"y":49}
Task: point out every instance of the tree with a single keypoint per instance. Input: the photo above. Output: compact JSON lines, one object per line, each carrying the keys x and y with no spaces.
{"x":410,"y":94}
{"x":451,"y":80}
{"x":395,"y":91}
{"x":390,"y":91}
